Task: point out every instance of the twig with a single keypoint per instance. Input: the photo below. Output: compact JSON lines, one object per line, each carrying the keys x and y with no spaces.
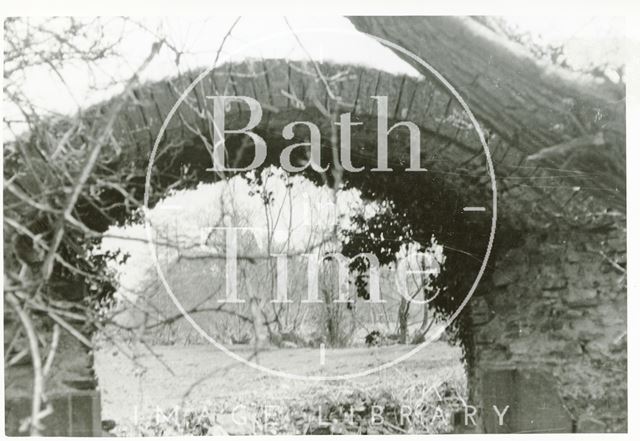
{"x":224,"y":39}
{"x":36,"y":362}
{"x":55,"y":339}
{"x":613,"y":263}
{"x":157,"y":356}
{"x":19,"y":356}
{"x":90,"y":163}
{"x":73,"y":331}
{"x":391,"y":426}
{"x":313,"y":62}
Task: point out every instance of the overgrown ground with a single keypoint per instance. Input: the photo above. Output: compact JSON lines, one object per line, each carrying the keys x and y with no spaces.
{"x":200,"y":390}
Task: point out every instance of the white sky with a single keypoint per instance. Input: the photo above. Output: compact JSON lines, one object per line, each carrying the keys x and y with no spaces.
{"x":587,"y":40}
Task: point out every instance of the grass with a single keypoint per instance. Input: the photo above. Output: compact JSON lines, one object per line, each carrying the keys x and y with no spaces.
{"x":200,"y":390}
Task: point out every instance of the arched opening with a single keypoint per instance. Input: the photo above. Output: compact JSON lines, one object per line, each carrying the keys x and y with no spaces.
{"x":540,"y":299}
{"x":384,"y":215}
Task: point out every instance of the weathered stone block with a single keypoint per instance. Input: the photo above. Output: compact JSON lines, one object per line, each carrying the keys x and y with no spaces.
{"x":585,"y":329}
{"x":582,"y":298}
{"x":596,"y":347}
{"x":588,"y":424}
{"x":505,"y":274}
{"x":520,"y":347}
{"x":617,"y":243}
{"x":480,"y":312}
{"x":74,"y":414}
{"x":574,"y":313}
{"x":553,"y":281}
{"x":534,"y":405}
{"x":573,"y":256}
{"x":619,"y":343}
{"x":572,"y":348}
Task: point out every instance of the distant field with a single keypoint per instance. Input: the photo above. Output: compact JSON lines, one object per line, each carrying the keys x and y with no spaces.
{"x":203,"y":376}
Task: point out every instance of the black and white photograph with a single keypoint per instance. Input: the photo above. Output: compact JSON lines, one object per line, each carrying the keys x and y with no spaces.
{"x":221,"y":222}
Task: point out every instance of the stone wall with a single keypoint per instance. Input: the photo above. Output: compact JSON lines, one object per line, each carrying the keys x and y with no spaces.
{"x":555,"y":308}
